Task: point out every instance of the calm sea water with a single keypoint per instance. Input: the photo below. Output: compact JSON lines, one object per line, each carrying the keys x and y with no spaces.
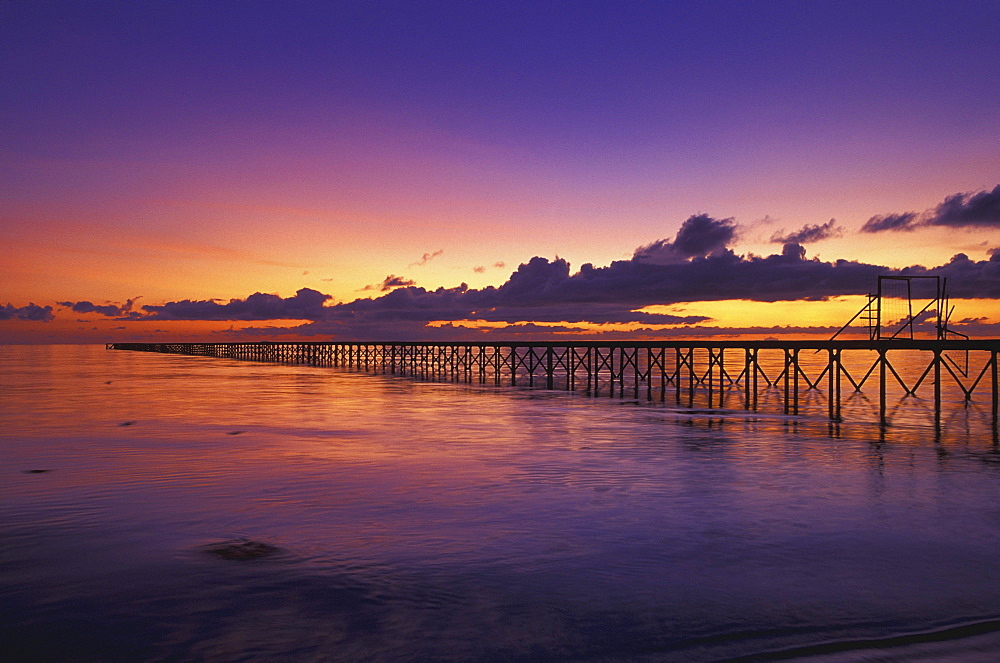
{"x":420,"y":521}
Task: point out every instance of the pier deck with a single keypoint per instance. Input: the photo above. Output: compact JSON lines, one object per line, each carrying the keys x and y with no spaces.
{"x":706,"y":374}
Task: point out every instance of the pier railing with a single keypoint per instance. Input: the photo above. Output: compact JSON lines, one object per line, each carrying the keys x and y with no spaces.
{"x":690,"y":373}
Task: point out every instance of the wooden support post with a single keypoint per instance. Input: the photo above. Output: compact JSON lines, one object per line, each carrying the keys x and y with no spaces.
{"x":691,"y":377}
{"x":722,"y":375}
{"x":549,"y":375}
{"x":833,"y":384}
{"x":677,"y":375}
{"x":663,"y":375}
{"x":881,"y":388}
{"x":995,"y":383}
{"x":787,"y":381}
{"x":937,"y":390}
{"x":747,"y":377}
{"x":609,"y":361}
{"x":711,"y":362}
{"x":649,"y":374}
{"x":635,"y":372}
{"x":570,"y":354}
{"x":795,"y":381}
{"x":513,"y":366}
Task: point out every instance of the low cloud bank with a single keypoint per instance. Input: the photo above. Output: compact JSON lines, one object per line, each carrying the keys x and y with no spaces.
{"x":30,"y":312}
{"x":109,"y":310}
{"x":307,"y":304}
{"x":697,"y":264}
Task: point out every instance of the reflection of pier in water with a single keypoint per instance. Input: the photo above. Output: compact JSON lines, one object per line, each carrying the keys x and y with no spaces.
{"x":792,"y":377}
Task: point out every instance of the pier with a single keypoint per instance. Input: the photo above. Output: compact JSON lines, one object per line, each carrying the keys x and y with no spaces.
{"x":788,"y":377}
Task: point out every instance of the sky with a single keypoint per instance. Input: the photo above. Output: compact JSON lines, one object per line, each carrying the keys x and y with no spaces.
{"x":491,"y":170}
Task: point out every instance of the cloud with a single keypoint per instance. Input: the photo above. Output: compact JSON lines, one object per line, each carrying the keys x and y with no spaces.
{"x":307,"y":304}
{"x":967,"y":278}
{"x":544,"y":290}
{"x":426,"y":258}
{"x":969,"y":209}
{"x":89,"y":307}
{"x":479,"y":270}
{"x":109,"y":309}
{"x":698,"y":237}
{"x":907,"y":221}
{"x":695,"y":266}
{"x":961,"y":210}
{"x":29,"y":312}
{"x":547,"y":291}
{"x":536,"y":281}
{"x":390,"y":282}
{"x":809,"y":233}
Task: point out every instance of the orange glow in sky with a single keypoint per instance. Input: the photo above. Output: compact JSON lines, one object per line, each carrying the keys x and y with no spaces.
{"x":146,"y":163}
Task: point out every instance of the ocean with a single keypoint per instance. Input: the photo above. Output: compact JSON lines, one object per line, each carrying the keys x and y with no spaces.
{"x":177,"y":508}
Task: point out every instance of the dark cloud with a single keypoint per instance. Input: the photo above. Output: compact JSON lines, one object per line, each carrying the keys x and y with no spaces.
{"x":109,"y":310}
{"x":969,"y":209}
{"x":426,"y":258}
{"x":966,"y":278}
{"x":534,"y":282}
{"x":29,"y":312}
{"x":695,"y":266}
{"x":390,"y":282}
{"x":906,"y":221}
{"x":307,"y":304}
{"x":980,"y":209}
{"x":809,"y":233}
{"x":88,"y":307}
{"x":545,"y":291}
{"x":698,"y":237}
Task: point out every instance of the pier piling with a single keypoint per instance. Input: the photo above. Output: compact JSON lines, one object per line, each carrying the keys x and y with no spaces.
{"x":698,"y":372}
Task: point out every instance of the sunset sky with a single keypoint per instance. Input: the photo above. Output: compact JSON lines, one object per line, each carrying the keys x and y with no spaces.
{"x":368,"y":170}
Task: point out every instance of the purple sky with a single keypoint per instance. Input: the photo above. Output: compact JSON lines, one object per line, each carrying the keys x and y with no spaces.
{"x":157,"y":154}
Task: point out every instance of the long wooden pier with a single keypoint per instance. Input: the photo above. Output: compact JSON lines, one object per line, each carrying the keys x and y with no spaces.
{"x":688,"y":373}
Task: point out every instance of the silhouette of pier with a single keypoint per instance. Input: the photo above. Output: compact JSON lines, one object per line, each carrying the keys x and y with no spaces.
{"x":715,"y":375}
